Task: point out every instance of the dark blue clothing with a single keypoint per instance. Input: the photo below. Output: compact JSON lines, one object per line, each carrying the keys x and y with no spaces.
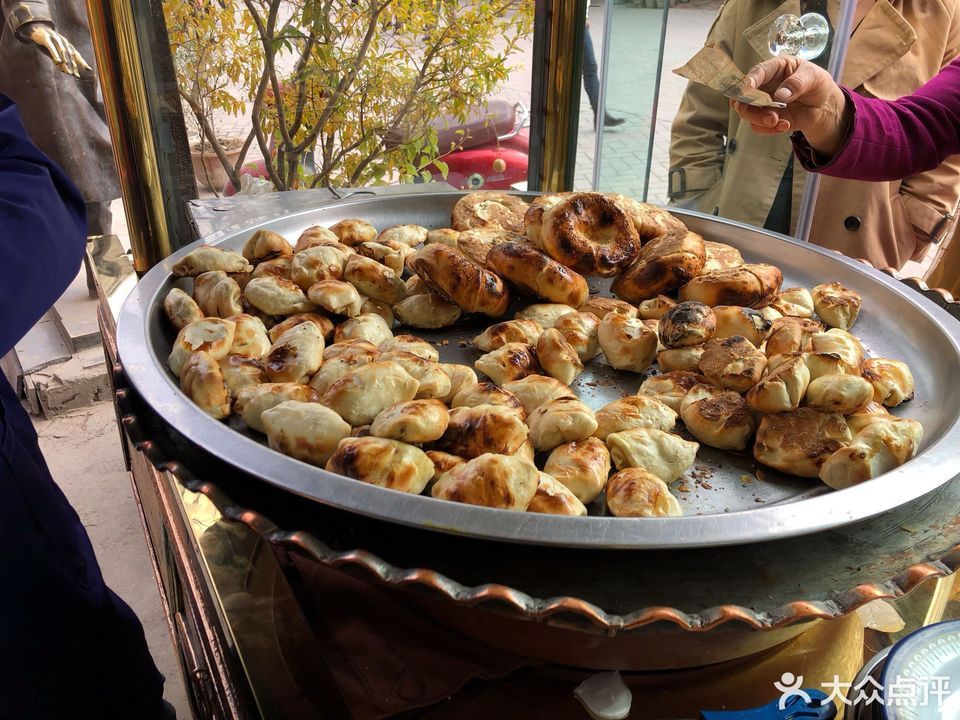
{"x":69,"y":647}
{"x":591,"y":72}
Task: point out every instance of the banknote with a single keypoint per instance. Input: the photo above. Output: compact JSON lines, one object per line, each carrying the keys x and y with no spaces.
{"x":713,"y":68}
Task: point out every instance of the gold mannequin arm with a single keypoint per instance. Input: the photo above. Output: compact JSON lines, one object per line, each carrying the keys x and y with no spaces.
{"x":31,"y":22}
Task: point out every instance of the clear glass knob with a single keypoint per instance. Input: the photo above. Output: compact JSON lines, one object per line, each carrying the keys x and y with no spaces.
{"x":805,"y":37}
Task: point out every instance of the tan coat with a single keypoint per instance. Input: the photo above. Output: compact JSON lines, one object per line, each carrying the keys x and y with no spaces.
{"x":895,"y":49}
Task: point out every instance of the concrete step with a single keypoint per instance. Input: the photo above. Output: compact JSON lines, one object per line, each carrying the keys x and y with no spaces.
{"x":77,"y":382}
{"x":75,"y":314}
{"x":42,"y":346}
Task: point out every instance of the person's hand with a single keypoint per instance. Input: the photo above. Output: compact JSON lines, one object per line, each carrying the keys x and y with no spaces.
{"x":815,"y":104}
{"x":56,"y":46}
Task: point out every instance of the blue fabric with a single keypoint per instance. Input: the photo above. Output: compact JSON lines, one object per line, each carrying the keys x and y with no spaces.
{"x":69,"y":647}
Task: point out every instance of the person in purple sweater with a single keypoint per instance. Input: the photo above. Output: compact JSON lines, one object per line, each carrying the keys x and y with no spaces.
{"x":842,"y":134}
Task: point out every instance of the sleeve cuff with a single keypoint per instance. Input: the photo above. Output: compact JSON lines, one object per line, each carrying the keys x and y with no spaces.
{"x":26,"y":11}
{"x":813,"y":161}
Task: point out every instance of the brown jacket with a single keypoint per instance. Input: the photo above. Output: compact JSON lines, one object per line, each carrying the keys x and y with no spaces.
{"x":731,"y":171}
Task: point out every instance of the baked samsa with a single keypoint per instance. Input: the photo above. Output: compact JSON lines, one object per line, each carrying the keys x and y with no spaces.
{"x":718,"y":418}
{"x":781,"y":389}
{"x":207,"y":258}
{"x":627,"y":343}
{"x":250,"y":336}
{"x":386,"y":463}
{"x":312,"y":265}
{"x":892,"y":380}
{"x":411,"y":344}
{"x":217,"y":294}
{"x":366,"y":326}
{"x":791,"y":334}
{"x":878,"y":448}
{"x":508,"y":362}
{"x":180,"y":308}
{"x":434,"y":382}
{"x":843,"y":345}
{"x":296,"y":356}
{"x":799,"y":442}
{"x":508,"y":331}
{"x":560,"y":421}
{"x":336,"y":296}
{"x":276,"y":296}
{"x":867,"y":415}
{"x":324,"y":325}
{"x":732,"y":363}
{"x":631,"y":412}
{"x":687,"y":324}
{"x":413,"y":421}
{"x":664,"y":454}
{"x":265,"y":245}
{"x":553,"y":498}
{"x":487,"y":393}
{"x":557,"y":357}
{"x":240,"y":371}
{"x":373,"y":279}
{"x":362,"y":394}
{"x":682,"y":359}
{"x":315,"y":236}
{"x":838,"y":393}
{"x":426,"y":311}
{"x":473,"y":431}
{"x":306,"y":431}
{"x":670,"y":387}
{"x":334,"y":368}
{"x":506,"y":482}
{"x":794,"y":302}
{"x":410,"y":235}
{"x":836,"y":305}
{"x":580,"y":330}
{"x":252,"y":402}
{"x":202,"y":381}
{"x":461,"y":377}
{"x":212,"y":335}
{"x":443,"y":461}
{"x":536,"y":390}
{"x":545,"y":314}
{"x":634,"y":492}
{"x":655,"y":308}
{"x":352,"y":231}
{"x":583,"y":466}
{"x":746,"y":322}
{"x":392,"y":255}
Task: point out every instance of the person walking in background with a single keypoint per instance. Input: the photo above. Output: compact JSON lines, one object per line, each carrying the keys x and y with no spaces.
{"x":719,"y":166}
{"x":591,"y":81}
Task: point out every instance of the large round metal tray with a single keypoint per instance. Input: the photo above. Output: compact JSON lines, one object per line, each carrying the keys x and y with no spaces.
{"x":727,"y":502}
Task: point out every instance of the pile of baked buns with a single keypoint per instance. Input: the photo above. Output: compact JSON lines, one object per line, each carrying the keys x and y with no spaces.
{"x":298,"y":342}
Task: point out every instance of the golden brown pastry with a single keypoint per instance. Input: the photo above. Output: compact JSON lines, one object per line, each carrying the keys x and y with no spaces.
{"x":276,"y":296}
{"x":249,"y":336}
{"x":434,"y":382}
{"x":443,"y":461}
{"x":627,"y":343}
{"x":477,"y":242}
{"x":336,"y":296}
{"x":265,"y":245}
{"x":838,"y":393}
{"x":217,"y":294}
{"x":671,"y":387}
{"x":444,"y":236}
{"x":782,"y":388}
{"x":349,"y":347}
{"x":770,"y":313}
{"x":753,"y":285}
{"x":535,"y":272}
{"x":637,"y":493}
{"x":589,"y":233}
{"x":251,"y":402}
{"x":746,"y":322}
{"x":664,"y":264}
{"x":278,"y":267}
{"x":386,"y":463}
{"x":836,"y":305}
{"x":240,"y":371}
{"x":416,"y":286}
{"x":654,"y":308}
{"x":634,"y":411}
{"x":600,"y":306}
{"x":365,"y":392}
{"x":324,"y":325}
{"x":212,"y":335}
{"x":373,"y":279}
{"x":488,"y":393}
{"x":449,"y":274}
{"x":892,"y":380}
{"x":720,"y":256}
{"x":536,"y":390}
{"x":306,"y":431}
{"x":426,"y":311}
{"x":732,"y":363}
{"x":314,"y":237}
{"x":843,"y":345}
{"x":794,"y":302}
{"x":878,"y":448}
{"x":202,"y":381}
{"x":557,"y":357}
{"x":799,"y":442}
{"x":487,"y":209}
{"x":508,"y":362}
{"x":296,"y":355}
{"x":533,"y":217}
{"x":353,"y":232}
{"x":664,"y":454}
{"x":413,"y":421}
{"x":580,"y":330}
{"x":208,"y":258}
{"x":553,"y":498}
{"x":334,"y":368}
{"x":649,"y":220}
{"x":310,"y":266}
{"x":366,"y":326}
{"x":409,"y":235}
{"x":683,"y":358}
{"x":473,"y":431}
{"x":461,"y":377}
{"x":369,"y":306}
{"x":582,"y":466}
{"x":687,"y":324}
{"x":508,"y":331}
{"x":544,"y":314}
{"x":867,"y":415}
{"x":498,"y":481}
{"x":180,"y":308}
{"x":718,"y":418}
{"x":560,"y":421}
{"x":411,"y":344}
{"x":791,"y":334}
